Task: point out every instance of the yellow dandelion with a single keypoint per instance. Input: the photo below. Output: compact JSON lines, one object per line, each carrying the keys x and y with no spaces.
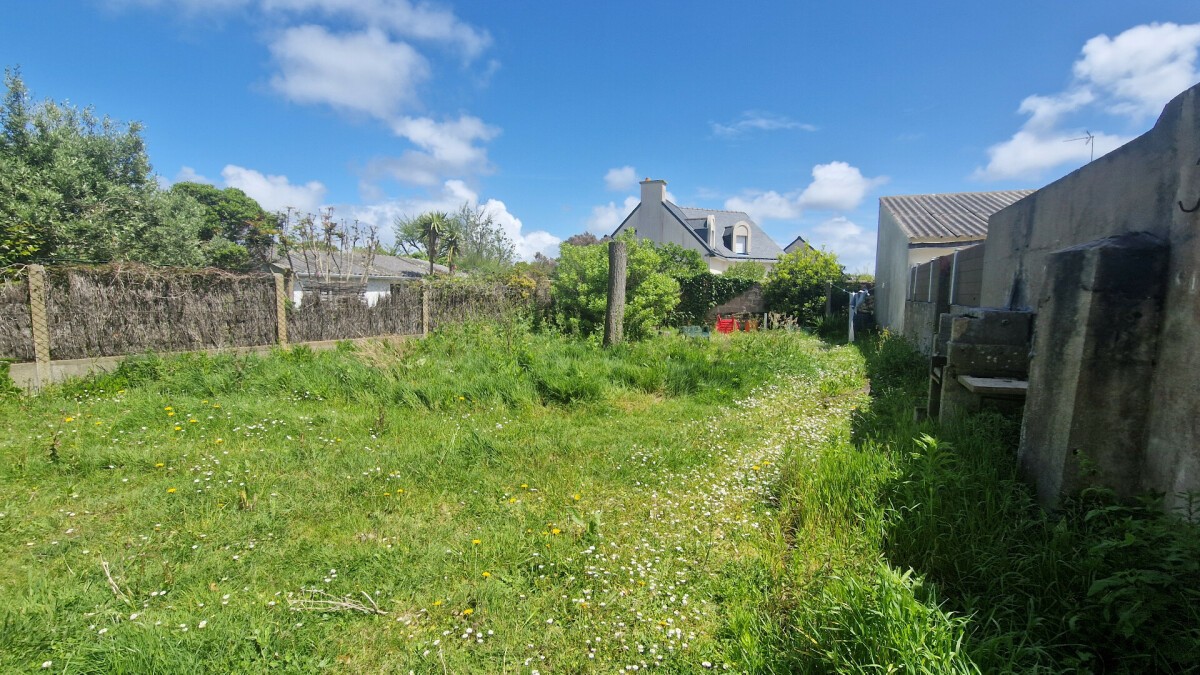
{"x":191,"y":421}
{"x":556,"y":531}
{"x":476,"y":542}
{"x":468,"y":611}
{"x":68,"y":419}
{"x":168,"y":408}
{"x":159,"y":465}
{"x":641,"y":583}
{"x":216,"y":405}
{"x":576,"y":497}
{"x":219,"y":441}
{"x":524,"y":486}
{"x":99,"y":424}
{"x":437,"y":603}
{"x":512,"y":500}
{"x":170,"y":414}
{"x":487,"y":575}
{"x":178,"y":428}
{"x":398,"y":491}
{"x":170,"y":491}
{"x":462,"y":398}
{"x":387,"y":494}
{"x":755,"y":467}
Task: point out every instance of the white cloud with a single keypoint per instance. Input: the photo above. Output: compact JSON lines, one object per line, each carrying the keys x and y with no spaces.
{"x":752,"y":120}
{"x":620,"y":179}
{"x":1142,"y":68}
{"x":1132,"y":75}
{"x":854,"y":245}
{"x":363,"y":71}
{"x":605,"y":218}
{"x":275,"y":193}
{"x":762,"y":206}
{"x":1029,"y":154}
{"x":837,"y":186}
{"x":452,"y":195}
{"x":421,"y":21}
{"x":451,"y":148}
{"x":188,"y":175}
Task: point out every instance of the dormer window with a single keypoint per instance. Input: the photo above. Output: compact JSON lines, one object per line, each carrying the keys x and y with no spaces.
{"x":741,"y":239}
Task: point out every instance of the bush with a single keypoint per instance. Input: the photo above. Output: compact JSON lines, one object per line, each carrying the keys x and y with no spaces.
{"x":580,"y":288}
{"x":797,"y":283}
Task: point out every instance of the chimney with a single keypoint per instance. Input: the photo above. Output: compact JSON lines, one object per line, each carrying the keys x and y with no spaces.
{"x":711,"y":225}
{"x":654,"y":192}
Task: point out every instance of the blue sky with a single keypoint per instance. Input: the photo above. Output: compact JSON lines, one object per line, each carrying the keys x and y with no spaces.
{"x":547,"y":113}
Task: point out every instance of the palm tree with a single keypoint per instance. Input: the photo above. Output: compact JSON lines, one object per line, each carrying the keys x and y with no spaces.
{"x":424,"y":230}
{"x":452,"y":241}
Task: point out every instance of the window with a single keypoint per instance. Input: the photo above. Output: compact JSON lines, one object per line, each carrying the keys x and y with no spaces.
{"x":739,"y":245}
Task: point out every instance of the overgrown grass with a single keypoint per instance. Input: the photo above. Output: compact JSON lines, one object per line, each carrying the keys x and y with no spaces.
{"x":495,"y":500}
{"x":512,"y":501}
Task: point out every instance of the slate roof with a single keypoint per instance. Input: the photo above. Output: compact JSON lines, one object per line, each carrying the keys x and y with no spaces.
{"x":797,"y":244}
{"x":958,"y":216}
{"x":762,"y":247}
{"x":383,"y":267}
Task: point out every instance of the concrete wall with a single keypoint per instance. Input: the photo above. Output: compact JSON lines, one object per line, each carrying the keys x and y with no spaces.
{"x":894,"y":256}
{"x":891,"y":273}
{"x":1140,"y":187}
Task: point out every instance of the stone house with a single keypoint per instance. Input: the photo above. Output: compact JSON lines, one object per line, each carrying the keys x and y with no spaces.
{"x":721,"y":237}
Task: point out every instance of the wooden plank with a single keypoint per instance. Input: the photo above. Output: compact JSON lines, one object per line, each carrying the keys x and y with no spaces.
{"x":994,"y":386}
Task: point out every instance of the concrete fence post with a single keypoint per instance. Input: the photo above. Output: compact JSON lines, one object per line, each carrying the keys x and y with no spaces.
{"x":425,"y":310}
{"x":281,"y":295}
{"x":40,"y":324}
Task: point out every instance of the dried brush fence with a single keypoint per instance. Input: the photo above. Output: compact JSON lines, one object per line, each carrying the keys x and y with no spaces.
{"x":113,"y":310}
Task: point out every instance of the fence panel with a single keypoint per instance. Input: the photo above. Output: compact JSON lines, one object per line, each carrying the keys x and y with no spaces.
{"x":116,"y":310}
{"x":16,"y":333}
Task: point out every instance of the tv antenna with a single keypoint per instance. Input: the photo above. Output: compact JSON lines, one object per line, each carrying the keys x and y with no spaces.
{"x":1087,"y":139}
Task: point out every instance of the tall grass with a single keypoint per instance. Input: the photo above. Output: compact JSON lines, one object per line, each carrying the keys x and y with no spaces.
{"x":1097,"y":586}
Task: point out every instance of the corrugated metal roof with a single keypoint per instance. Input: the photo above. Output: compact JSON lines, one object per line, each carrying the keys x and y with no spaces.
{"x":956,"y":216}
{"x":382,"y":266}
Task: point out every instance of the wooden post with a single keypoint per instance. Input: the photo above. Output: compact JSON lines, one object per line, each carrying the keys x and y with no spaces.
{"x":614,"y":316}
{"x":281,"y":297}
{"x":828,"y":298}
{"x":40,"y":324}
{"x":424,"y":309}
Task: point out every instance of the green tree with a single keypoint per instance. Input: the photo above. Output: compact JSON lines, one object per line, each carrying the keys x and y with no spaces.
{"x":796,"y":285}
{"x":482,"y":244}
{"x":423,"y":233}
{"x":77,"y":186}
{"x":580,"y":289}
{"x":750,"y":270}
{"x":235,"y":231}
{"x":680,"y":262}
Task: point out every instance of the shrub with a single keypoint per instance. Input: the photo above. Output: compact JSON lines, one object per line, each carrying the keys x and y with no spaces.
{"x":580,"y":288}
{"x":797,"y":283}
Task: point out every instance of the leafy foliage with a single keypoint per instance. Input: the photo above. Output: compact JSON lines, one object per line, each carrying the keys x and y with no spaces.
{"x":701,"y":292}
{"x":580,"y":286}
{"x":235,"y":231}
{"x":76,"y":186}
{"x":750,"y":270}
{"x":423,"y":233}
{"x":482,"y":244}
{"x":680,"y":262}
{"x":796,"y":284}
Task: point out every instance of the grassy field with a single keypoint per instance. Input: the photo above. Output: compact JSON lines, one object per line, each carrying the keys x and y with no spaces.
{"x":487,"y":500}
{"x":492,"y":500}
